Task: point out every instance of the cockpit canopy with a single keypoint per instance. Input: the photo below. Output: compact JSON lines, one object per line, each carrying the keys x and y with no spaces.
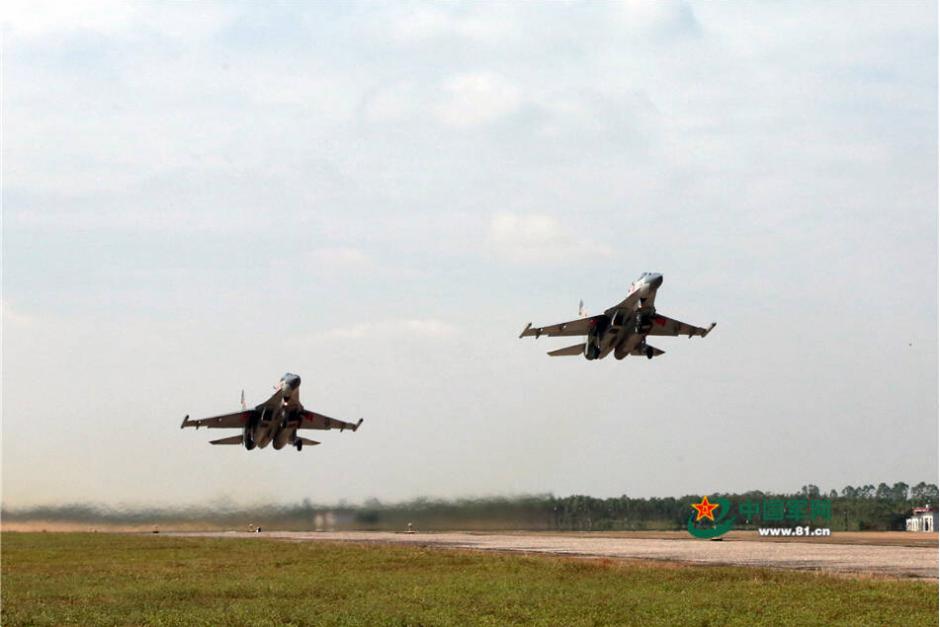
{"x":291,"y":379}
{"x":652,"y":278}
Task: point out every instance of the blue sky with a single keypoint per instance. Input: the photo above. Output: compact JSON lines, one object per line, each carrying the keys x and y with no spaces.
{"x":198,"y":198}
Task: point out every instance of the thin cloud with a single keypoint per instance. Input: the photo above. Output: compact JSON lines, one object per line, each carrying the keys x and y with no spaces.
{"x":461,"y":101}
{"x":430,"y":23}
{"x":538,"y":237}
{"x":477,"y":98}
{"x":412,"y":328}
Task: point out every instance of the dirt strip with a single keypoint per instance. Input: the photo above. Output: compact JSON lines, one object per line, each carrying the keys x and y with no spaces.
{"x":891,"y":561}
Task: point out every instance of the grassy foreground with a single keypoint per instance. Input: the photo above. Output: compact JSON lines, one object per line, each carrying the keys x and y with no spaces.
{"x":106,"y":579}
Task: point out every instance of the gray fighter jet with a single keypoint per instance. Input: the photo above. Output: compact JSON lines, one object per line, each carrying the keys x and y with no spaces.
{"x":276,"y":420}
{"x":623,"y":328}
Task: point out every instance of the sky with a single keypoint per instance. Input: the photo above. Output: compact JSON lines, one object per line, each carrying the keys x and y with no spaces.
{"x":198,"y":197}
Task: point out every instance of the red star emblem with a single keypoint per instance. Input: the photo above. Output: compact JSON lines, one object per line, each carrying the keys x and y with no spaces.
{"x":705,"y":509}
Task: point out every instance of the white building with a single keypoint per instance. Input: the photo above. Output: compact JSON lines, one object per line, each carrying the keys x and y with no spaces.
{"x":324,"y":521}
{"x":922,"y":519}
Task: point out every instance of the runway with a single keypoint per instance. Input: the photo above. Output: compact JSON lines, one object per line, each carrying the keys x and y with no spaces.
{"x":856,"y":559}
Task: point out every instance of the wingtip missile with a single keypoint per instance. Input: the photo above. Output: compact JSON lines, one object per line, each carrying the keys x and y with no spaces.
{"x":527,"y":327}
{"x":356,"y":428}
{"x":189,"y":423}
{"x":709,"y":329}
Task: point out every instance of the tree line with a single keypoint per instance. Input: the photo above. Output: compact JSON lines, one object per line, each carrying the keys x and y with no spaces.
{"x":866,"y":507}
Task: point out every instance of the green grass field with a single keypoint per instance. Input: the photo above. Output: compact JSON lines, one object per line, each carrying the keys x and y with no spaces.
{"x":113,"y":579}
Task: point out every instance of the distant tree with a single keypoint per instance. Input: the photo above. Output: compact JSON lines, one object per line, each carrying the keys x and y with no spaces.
{"x":867,"y":491}
{"x":833,"y":495}
{"x":810,"y":491}
{"x":899,"y":491}
{"x":883,"y":491}
{"x":931,"y":493}
{"x":850,"y":492}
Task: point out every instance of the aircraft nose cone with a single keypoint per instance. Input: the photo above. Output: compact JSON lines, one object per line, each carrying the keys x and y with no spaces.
{"x":656,"y":280}
{"x":290,"y":381}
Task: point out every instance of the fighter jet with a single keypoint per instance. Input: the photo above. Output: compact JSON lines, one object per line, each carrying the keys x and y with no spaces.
{"x":275,"y":421}
{"x":623,"y":328}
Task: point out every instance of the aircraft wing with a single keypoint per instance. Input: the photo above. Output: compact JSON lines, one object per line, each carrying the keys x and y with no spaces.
{"x":313,"y":420}
{"x":227,"y":421}
{"x":667,"y":326}
{"x":581,"y":326}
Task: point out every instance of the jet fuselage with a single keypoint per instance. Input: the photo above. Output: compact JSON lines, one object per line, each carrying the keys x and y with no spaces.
{"x":626,"y":329}
{"x":276,"y":422}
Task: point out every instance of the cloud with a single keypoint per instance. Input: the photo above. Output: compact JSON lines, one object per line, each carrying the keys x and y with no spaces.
{"x":30,"y":20}
{"x":475,"y":99}
{"x":430,"y":23}
{"x":461,"y":101}
{"x":38,"y":18}
{"x":391,"y":103}
{"x":537,"y":237}
{"x":658,"y":18}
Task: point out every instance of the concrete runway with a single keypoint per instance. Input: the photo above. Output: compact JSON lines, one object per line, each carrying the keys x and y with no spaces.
{"x":891,"y":561}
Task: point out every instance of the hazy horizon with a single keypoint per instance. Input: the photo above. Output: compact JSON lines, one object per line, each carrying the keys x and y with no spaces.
{"x":378,"y":197}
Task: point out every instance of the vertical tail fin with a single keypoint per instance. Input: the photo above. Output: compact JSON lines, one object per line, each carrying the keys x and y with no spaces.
{"x":582,"y":313}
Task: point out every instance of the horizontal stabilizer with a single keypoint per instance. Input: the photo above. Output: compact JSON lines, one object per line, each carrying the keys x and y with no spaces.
{"x":235,"y":439}
{"x":576,"y":349}
{"x":308,"y":442}
{"x":645,"y":350}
